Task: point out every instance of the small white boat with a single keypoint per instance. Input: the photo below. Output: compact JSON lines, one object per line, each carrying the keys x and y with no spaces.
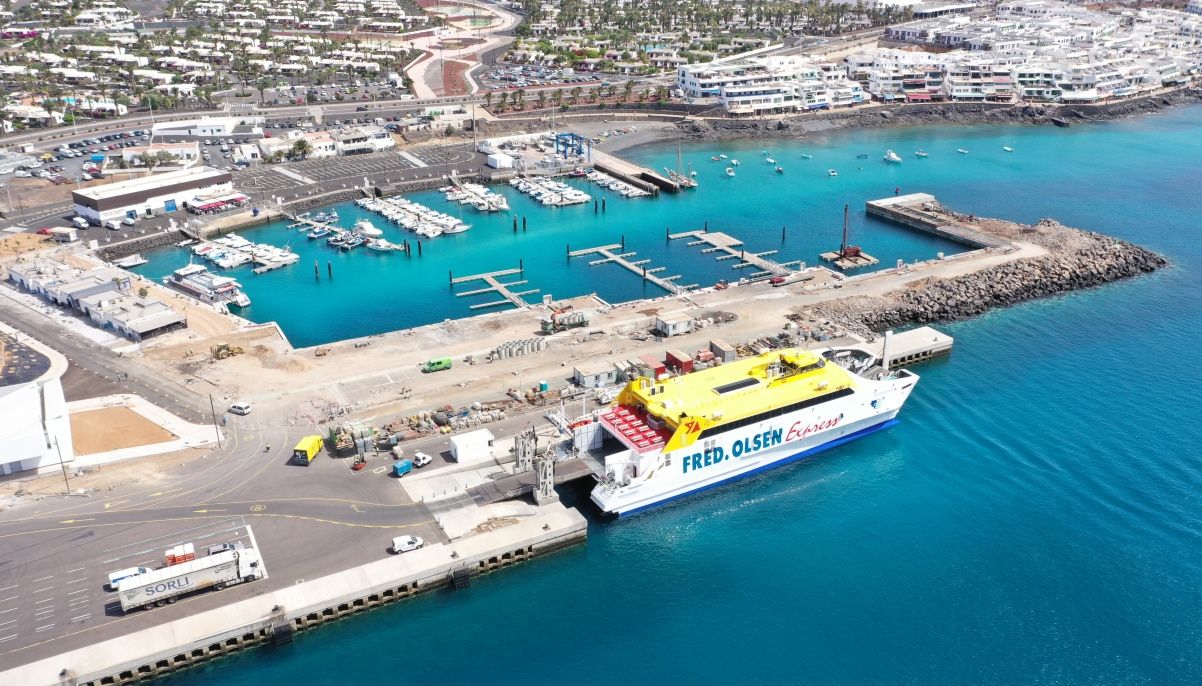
{"x":185,"y":243}
{"x":1007,"y":148}
{"x":133,"y":260}
{"x":721,"y":157}
{"x":730,"y":171}
{"x":734,"y":163}
{"x":921,"y":153}
{"x":780,"y":169}
{"x":892,"y":157}
{"x":769,"y":160}
{"x":806,"y":156}
{"x":764,"y":153}
{"x":365,"y":227}
{"x":831,"y":172}
{"x":962,"y":151}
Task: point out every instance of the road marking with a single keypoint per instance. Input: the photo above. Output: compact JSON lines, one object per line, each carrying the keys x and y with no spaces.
{"x":11,"y":597}
{"x":43,"y":579}
{"x":75,"y":581}
{"x":38,"y":615}
{"x":170,"y":490}
{"x":113,"y":504}
{"x":11,"y":621}
{"x":73,"y":619}
{"x":207,"y":511}
{"x":82,"y":590}
{"x":8,"y":587}
{"x":77,"y":569}
{"x":48,"y":588}
{"x":43,"y":628}
{"x":8,"y":638}
{"x":91,"y":519}
{"x":11,"y":609}
{"x":257,"y":508}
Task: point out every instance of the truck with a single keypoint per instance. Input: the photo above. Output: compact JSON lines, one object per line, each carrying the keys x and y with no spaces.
{"x":161,"y":586}
{"x":436,"y":365}
{"x":306,"y":449}
{"x":402,"y":468}
{"x":563,"y":319}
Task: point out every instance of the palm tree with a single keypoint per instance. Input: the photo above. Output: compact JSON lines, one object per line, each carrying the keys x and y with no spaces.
{"x":301,"y":149}
{"x":502,"y":100}
{"x":519,"y":98}
{"x":542,"y":99}
{"x":576,"y":94}
{"x":557,"y":96}
{"x":488,"y":99}
{"x":626,"y":90}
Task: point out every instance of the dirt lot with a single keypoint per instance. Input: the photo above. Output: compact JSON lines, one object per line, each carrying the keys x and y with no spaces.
{"x":113,"y":428}
{"x":20,"y":243}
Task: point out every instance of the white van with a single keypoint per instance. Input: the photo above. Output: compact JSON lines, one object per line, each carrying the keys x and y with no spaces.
{"x":116,"y":577}
{"x":79,"y":222}
{"x":112,"y":225}
{"x":129,"y":221}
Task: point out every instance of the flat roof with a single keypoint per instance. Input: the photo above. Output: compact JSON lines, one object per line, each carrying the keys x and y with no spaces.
{"x":20,"y":363}
{"x":150,"y":183}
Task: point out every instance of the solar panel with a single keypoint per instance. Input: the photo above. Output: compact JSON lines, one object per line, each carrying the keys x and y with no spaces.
{"x":736,"y":385}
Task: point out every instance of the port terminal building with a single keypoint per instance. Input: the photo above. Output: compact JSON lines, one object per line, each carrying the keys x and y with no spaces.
{"x":148,"y":196}
{"x":36,"y":431}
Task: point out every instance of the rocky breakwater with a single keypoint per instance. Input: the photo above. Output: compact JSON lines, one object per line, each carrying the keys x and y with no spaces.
{"x":1075,"y":260}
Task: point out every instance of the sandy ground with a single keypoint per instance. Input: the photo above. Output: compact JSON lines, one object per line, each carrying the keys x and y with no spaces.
{"x":144,"y":471}
{"x":113,"y":428}
{"x":20,"y":243}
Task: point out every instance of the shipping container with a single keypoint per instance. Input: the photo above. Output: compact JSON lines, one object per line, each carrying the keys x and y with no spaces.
{"x":679,"y":361}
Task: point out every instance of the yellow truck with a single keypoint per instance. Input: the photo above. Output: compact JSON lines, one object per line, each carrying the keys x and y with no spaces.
{"x":307,"y":449}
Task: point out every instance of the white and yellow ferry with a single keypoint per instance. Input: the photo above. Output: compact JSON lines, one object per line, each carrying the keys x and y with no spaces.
{"x":664,"y":439}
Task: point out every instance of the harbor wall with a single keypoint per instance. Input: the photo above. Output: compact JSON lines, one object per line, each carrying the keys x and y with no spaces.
{"x":125,"y":248}
{"x":272,"y":618}
{"x":1073,"y":260}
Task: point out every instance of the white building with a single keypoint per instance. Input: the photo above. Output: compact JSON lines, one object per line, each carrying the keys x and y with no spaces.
{"x":208,"y":126}
{"x":186,"y":154}
{"x":362,"y":139}
{"x":36,"y":431}
{"x":149,"y":195}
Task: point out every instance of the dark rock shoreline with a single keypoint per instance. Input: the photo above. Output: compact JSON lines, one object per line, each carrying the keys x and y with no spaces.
{"x":1076,"y":260}
{"x":927,"y":115}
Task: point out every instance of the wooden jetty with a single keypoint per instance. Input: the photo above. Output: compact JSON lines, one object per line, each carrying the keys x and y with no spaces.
{"x":728,"y":246}
{"x":608,"y":255}
{"x":495,"y":286}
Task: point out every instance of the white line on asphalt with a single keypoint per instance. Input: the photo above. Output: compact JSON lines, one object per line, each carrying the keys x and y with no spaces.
{"x":11,"y":621}
{"x":8,"y":638}
{"x":77,"y":569}
{"x":2,"y":612}
{"x":82,"y":590}
{"x":43,"y":578}
{"x":43,"y":628}
{"x":40,"y":615}
{"x":11,"y":597}
{"x":48,"y":588}
{"x":43,"y":600}
{"x":75,"y":581}
{"x":81,"y":617}
{"x":8,"y":587}
{"x":155,"y":538}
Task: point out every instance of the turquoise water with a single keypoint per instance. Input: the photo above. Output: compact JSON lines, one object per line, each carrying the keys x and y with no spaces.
{"x":373,"y":293}
{"x":1034,"y":519}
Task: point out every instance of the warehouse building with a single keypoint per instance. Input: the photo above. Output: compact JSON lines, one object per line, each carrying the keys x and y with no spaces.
{"x":148,"y":196}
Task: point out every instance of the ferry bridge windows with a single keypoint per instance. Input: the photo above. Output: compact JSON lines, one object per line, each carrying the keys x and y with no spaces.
{"x":777,"y":412}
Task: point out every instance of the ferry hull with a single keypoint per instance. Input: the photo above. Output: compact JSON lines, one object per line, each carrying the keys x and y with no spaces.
{"x":784,"y":459}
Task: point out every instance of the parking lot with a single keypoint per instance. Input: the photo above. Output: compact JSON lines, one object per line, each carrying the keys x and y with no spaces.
{"x":508,"y":75}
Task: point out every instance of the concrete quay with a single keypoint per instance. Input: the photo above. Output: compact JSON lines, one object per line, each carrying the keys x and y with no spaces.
{"x":921,"y":211}
{"x":272,"y":617}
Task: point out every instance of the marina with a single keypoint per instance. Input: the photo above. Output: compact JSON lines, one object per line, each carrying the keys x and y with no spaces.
{"x":495,"y":286}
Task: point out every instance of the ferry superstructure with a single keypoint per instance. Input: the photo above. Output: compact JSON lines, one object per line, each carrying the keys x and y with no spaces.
{"x":664,"y":439}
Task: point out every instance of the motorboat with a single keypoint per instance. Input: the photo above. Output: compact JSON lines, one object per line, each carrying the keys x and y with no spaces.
{"x":806,"y":156}
{"x":365,"y":227}
{"x":780,"y":169}
{"x":921,"y":153}
{"x":892,"y":157}
{"x":1007,"y":148}
{"x":730,"y":171}
{"x":321,"y":232}
{"x":380,"y":245}
{"x":325,"y":217}
{"x":769,"y":160}
{"x":715,"y":158}
{"x":734,"y":163}
{"x":133,"y":260}
{"x":962,"y":151}
{"x":721,"y":157}
{"x":862,"y":156}
{"x":831,"y":172}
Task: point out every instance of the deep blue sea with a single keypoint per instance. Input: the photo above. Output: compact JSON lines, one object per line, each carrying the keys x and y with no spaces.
{"x":1036,"y":518}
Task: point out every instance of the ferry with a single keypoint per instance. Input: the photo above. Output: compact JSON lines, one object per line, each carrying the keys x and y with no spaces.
{"x":665,"y":439}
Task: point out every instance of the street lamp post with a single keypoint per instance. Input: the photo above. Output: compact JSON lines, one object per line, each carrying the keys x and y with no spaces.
{"x":62,"y":465}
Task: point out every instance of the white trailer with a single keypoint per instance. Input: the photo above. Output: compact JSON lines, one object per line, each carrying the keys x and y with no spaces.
{"x":162,"y":586}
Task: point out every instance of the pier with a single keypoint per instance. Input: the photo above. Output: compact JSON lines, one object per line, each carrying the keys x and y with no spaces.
{"x":608,"y":255}
{"x":495,"y":286}
{"x":923,"y":212}
{"x":728,"y":245}
{"x":631,"y":173}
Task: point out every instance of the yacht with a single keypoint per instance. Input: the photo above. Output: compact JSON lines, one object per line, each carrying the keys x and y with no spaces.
{"x":1007,"y":148}
{"x":892,"y":157}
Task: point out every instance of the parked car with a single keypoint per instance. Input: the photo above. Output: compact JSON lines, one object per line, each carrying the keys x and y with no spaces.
{"x":404,"y":544}
{"x":421,"y":459}
{"x":240,"y":408}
